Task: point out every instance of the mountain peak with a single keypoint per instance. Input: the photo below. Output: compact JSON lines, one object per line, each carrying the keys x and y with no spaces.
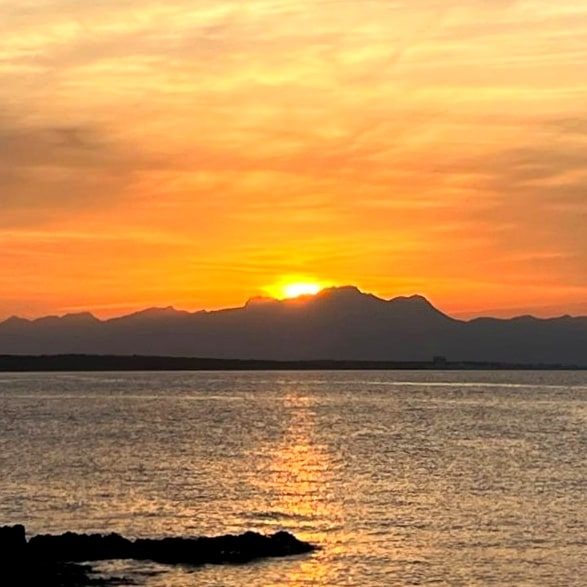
{"x":15,"y":321}
{"x":347,"y":291}
{"x":343,"y":296}
{"x":417,"y":305}
{"x":78,"y":318}
{"x":413,"y":300}
{"x":155,"y":313}
{"x":351,"y":293}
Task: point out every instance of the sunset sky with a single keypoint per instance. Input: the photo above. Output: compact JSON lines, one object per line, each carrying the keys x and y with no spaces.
{"x":196,"y":153}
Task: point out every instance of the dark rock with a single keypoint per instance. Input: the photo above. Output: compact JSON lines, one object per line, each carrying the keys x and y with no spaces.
{"x":80,"y":547}
{"x":21,"y":567}
{"x":12,"y":542}
{"x":222,"y":549}
{"x":51,"y":561}
{"x":219,"y":550}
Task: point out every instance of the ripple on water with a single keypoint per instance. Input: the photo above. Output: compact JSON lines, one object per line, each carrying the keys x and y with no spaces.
{"x":402,"y":478}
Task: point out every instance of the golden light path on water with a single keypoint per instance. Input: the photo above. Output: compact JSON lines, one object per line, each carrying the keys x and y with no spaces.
{"x":303,"y":467}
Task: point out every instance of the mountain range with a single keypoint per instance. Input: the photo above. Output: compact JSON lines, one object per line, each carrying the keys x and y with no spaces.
{"x":340,"y":323}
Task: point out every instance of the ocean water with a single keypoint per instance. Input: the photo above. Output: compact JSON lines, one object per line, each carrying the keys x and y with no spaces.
{"x":402,"y":478}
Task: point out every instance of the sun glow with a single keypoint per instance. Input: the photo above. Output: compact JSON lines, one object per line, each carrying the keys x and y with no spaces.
{"x":295,"y":290}
{"x":290,"y":288}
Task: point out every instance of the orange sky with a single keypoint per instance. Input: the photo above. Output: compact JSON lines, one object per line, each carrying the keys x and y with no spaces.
{"x":194,"y":152}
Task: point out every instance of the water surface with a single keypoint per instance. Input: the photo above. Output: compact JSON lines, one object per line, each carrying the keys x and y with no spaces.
{"x":403,"y":478}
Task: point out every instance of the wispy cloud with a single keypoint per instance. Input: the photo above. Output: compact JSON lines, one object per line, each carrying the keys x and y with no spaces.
{"x":423,"y":143}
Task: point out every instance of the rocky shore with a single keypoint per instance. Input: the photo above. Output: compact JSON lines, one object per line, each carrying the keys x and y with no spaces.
{"x":54,"y":560}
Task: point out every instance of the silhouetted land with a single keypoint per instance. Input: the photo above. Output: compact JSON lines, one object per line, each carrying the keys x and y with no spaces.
{"x":342,"y":324}
{"x":50,"y":560}
{"x":19,"y":363}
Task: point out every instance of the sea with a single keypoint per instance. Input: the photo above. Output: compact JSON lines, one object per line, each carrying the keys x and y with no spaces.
{"x":400,"y":477}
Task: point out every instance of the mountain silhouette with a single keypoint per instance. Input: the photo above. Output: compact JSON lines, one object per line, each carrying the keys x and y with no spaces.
{"x":339,"y":323}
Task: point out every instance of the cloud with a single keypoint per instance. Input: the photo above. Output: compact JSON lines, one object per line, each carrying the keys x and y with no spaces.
{"x":422,"y":138}
{"x":47,"y":171}
{"x":538,"y":192}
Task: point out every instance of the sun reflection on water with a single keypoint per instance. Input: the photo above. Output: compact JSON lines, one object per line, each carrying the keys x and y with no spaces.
{"x":296,"y":478}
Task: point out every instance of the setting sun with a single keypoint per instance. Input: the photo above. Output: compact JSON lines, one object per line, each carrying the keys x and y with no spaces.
{"x":295,"y":290}
{"x":294,"y":287}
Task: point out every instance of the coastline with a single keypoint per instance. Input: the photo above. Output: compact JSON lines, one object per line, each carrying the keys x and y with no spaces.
{"x":97,"y":363}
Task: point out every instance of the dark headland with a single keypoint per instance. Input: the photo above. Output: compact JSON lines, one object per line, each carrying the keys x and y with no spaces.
{"x":98,"y":363}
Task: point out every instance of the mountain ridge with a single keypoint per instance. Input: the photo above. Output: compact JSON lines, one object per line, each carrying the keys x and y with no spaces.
{"x":256,"y":301}
{"x":340,"y":323}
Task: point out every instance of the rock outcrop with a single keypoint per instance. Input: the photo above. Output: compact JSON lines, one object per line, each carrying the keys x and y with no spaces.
{"x":52,"y":560}
{"x":193,"y":551}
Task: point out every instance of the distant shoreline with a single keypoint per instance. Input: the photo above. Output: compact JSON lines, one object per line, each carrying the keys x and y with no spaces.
{"x":64,"y":363}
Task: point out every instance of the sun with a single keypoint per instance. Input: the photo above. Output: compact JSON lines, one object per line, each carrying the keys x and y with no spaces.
{"x":295,"y":290}
{"x":294,"y":287}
